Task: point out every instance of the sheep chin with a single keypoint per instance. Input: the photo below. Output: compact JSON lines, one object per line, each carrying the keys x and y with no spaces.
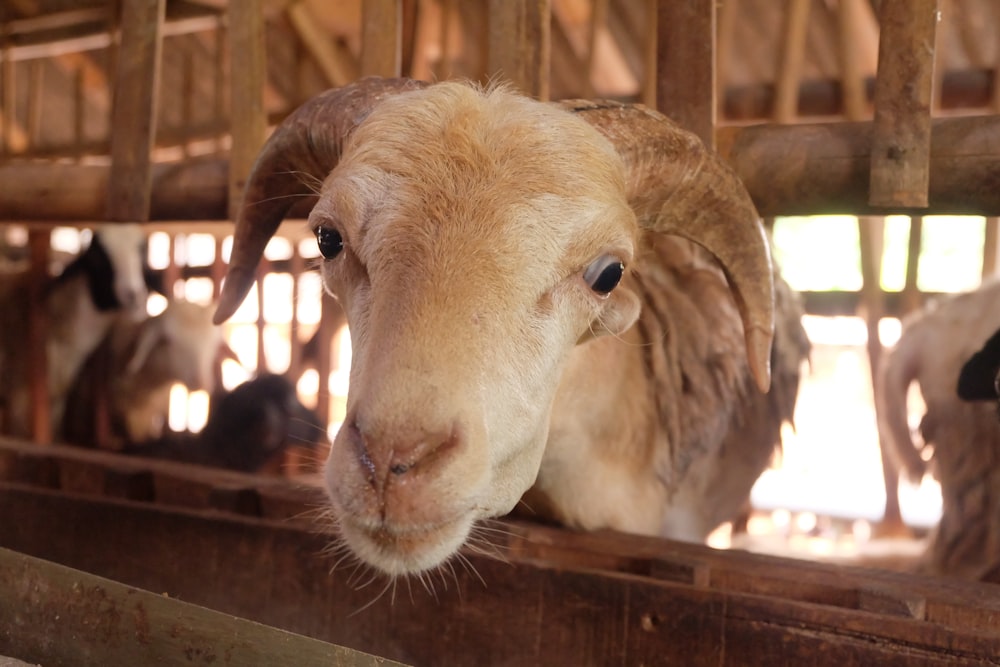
{"x":400,"y":551}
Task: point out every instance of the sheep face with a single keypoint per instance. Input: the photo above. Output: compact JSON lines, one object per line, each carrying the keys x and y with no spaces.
{"x":470,"y":253}
{"x":115,"y":260}
{"x":477,"y":239}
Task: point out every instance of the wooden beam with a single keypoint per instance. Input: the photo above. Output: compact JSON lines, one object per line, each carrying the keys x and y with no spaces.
{"x":101,"y":40}
{"x":381,"y":37}
{"x":903,"y":89}
{"x":335,"y":61}
{"x":685,"y":70}
{"x":137,"y":84}
{"x":824,"y":168}
{"x":519,"y":44}
{"x":249,"y":122}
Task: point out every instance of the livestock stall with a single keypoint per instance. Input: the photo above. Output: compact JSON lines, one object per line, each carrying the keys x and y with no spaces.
{"x":153,"y":111}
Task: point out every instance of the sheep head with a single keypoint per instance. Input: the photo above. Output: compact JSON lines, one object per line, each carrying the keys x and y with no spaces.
{"x":474,"y":237}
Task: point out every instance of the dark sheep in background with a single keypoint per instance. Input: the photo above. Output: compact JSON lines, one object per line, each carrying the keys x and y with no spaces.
{"x":247,"y":428}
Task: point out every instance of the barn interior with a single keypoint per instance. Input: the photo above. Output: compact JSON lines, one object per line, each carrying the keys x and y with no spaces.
{"x":865,"y":131}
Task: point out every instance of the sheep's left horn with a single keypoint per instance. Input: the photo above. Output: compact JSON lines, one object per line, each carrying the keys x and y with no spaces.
{"x":295,"y":159}
{"x":677,"y":186}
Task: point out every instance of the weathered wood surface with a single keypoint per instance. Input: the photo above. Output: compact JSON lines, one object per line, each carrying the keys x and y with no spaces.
{"x":901,"y":144}
{"x":685,"y":66}
{"x":137,"y":85}
{"x":57,"y":616}
{"x":520,"y":44}
{"x":249,"y":73}
{"x":549,"y":596}
{"x":824,"y":168}
{"x":381,"y":37}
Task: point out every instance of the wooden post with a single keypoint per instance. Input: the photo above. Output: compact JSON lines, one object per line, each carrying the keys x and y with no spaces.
{"x":903,"y":88}
{"x":134,"y":111}
{"x":685,"y":71}
{"x":381,"y":37}
{"x":520,"y":44}
{"x":786,"y":94}
{"x":249,"y":123}
{"x":38,"y":375}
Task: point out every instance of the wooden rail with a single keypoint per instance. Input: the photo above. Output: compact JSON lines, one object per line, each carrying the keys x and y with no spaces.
{"x":251,"y":547}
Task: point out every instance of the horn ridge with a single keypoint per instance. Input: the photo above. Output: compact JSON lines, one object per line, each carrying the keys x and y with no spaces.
{"x":677,"y":186}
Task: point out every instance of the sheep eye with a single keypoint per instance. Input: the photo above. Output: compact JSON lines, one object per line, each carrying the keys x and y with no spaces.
{"x":604,"y":274}
{"x":330,"y":242}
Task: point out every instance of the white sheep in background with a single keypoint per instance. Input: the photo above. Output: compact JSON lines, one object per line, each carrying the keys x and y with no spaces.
{"x":80,"y":304}
{"x":135,"y":367}
{"x":486,"y":250}
{"x":965,"y":438}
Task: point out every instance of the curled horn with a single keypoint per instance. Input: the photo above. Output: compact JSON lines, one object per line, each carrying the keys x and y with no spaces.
{"x":677,"y":186}
{"x":301,"y":152}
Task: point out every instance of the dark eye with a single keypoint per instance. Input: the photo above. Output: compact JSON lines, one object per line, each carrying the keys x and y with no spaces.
{"x":604,"y":274}
{"x":330,"y":242}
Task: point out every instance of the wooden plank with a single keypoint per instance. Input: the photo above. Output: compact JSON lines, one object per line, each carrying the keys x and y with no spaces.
{"x":901,"y":144}
{"x":381,"y":37}
{"x":133,"y":117}
{"x":334,"y":61}
{"x":559,"y":615}
{"x":825,"y":167}
{"x":249,"y":122}
{"x":519,"y":44}
{"x":55,"y":615}
{"x":685,"y":70}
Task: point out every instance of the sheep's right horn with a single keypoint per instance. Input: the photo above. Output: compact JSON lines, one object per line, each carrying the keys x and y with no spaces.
{"x":677,"y":186}
{"x":294,"y":161}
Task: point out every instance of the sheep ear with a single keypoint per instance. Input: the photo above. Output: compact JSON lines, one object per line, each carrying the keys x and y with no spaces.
{"x":297,"y":157}
{"x":677,"y":186}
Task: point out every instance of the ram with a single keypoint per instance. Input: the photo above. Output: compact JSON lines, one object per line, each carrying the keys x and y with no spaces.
{"x":80,"y":305}
{"x":959,"y":441}
{"x":524,"y":315}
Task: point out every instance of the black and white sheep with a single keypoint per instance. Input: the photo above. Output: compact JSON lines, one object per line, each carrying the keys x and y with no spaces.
{"x":80,"y":304}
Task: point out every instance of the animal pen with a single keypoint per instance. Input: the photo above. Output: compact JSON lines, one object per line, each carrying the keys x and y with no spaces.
{"x":154,"y":111}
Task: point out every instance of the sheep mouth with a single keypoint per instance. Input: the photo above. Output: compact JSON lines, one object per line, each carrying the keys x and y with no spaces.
{"x":399,"y":549}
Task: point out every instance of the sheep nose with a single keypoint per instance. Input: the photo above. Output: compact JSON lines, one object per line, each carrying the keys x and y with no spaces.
{"x":385,"y":454}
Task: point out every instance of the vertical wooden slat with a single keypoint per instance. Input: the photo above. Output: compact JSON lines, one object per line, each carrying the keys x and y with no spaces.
{"x":724,"y":30}
{"x":651,"y":54}
{"x":990,"y":246}
{"x":902,"y":133}
{"x":38,"y":385}
{"x":381,"y":37}
{"x":598,"y":22}
{"x":911,"y":292}
{"x":80,"y":114}
{"x":792,"y":56}
{"x":134,"y":111}
{"x":519,"y":47}
{"x":686,"y":66}
{"x":249,"y":123}
{"x":36,"y":91}
{"x":851,"y":79}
